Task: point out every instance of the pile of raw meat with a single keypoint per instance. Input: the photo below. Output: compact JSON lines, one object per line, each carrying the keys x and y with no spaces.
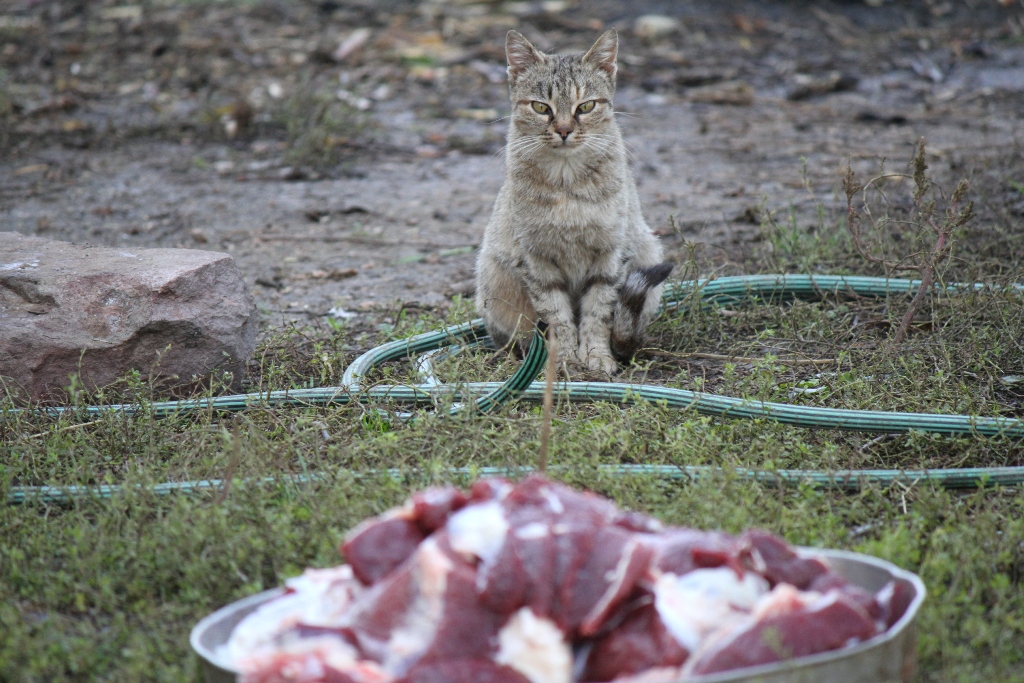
{"x":539,"y":583}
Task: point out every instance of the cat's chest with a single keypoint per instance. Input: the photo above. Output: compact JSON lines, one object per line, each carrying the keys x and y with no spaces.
{"x":560,"y":216}
{"x":578,"y":217}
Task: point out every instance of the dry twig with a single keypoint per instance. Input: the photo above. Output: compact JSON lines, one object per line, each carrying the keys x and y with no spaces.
{"x":941,"y":222}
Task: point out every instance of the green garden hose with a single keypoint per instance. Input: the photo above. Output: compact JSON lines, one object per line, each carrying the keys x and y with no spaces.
{"x":484,"y":397}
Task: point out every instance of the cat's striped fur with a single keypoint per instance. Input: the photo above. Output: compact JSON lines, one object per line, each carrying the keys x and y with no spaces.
{"x":567,"y":242}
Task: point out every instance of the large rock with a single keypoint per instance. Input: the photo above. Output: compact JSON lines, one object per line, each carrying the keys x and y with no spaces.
{"x":182,"y":314}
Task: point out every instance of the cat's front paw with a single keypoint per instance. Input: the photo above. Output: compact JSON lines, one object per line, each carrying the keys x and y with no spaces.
{"x":601,"y":362}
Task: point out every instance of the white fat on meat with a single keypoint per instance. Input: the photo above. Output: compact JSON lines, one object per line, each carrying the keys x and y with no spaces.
{"x":478,"y":531}
{"x":532,"y":531}
{"x":553,"y":501}
{"x":784,"y":599}
{"x":300,"y":660}
{"x":319,"y":597}
{"x":615,"y":577}
{"x":535,"y":647}
{"x":657,"y":674}
{"x":414,"y":636}
{"x":697,"y":603}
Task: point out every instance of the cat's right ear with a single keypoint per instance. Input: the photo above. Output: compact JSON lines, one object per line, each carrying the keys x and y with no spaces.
{"x":521,"y":55}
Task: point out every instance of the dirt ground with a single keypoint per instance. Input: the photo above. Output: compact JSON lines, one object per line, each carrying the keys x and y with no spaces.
{"x":347,"y":153}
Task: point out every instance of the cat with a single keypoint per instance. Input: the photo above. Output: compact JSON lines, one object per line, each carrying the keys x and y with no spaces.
{"x":567,"y":243}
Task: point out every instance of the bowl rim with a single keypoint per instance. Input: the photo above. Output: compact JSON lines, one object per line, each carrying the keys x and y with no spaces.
{"x":893,"y":632}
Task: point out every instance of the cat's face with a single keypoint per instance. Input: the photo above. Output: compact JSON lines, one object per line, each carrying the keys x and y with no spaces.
{"x":561,"y":104}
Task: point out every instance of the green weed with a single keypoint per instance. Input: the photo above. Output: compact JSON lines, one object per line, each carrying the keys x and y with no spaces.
{"x":319,"y":129}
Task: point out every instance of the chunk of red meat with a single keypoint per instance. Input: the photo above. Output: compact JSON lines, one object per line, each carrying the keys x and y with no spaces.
{"x":796,"y":630}
{"x":463,"y":671}
{"x":571,"y":547}
{"x":504,"y":585}
{"x":638,"y":521}
{"x":894,"y":599}
{"x":616,"y":562}
{"x":548,"y":548}
{"x":564,"y":502}
{"x":378,"y":546}
{"x":579,"y":520}
{"x":536,"y":555}
{"x":639,"y":642}
{"x":432,"y":507}
{"x":525,"y":572}
{"x":379,"y":611}
{"x":494,"y":488}
{"x":828,"y":581}
{"x":833,"y":581}
{"x":679,"y":551}
{"x":778,"y":562}
{"x":467,"y":630}
{"x":332,"y":675}
{"x":585,"y":504}
{"x":425,"y":611}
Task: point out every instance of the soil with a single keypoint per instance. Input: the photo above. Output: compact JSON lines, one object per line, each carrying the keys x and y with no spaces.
{"x":346,"y":176}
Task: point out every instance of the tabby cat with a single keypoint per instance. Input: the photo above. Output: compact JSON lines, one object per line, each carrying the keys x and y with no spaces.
{"x":567,"y":242}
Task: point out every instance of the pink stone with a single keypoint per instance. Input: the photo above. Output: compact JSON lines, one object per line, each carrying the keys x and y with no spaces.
{"x":184,"y":315}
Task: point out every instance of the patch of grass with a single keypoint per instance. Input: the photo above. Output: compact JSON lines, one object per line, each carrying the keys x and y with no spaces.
{"x":321,"y":130}
{"x":6,"y":110}
{"x":106,"y":589}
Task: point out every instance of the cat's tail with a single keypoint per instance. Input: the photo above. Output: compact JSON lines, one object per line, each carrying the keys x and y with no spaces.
{"x":637,"y":304}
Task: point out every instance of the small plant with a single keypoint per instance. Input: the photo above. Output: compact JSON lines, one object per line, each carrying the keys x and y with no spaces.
{"x":6,"y":110}
{"x":319,"y":128}
{"x":934,"y":218}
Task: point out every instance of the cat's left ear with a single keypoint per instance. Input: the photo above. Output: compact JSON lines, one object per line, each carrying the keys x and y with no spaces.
{"x":603,"y":53}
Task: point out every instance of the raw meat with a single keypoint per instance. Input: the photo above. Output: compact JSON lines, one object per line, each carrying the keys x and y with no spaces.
{"x":787,"y":624}
{"x":695,"y":605}
{"x":432,"y":508}
{"x":894,"y":599}
{"x":536,"y":648}
{"x":378,"y":546}
{"x":319,"y":659}
{"x":463,"y":671}
{"x":395,"y":622}
{"x":679,"y":551}
{"x":539,"y":583}
{"x":777,"y":561}
{"x":639,"y":643}
{"x":548,"y":531}
{"x":318,"y":597}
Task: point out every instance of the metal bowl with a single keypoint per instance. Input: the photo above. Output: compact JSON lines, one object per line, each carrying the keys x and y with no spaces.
{"x":890,"y":657}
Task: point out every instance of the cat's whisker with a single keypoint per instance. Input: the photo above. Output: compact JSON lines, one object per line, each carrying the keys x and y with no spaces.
{"x":629,"y":150}
{"x":605,"y":145}
{"x":606,"y":151}
{"x":523,"y":146}
{"x":521,"y":143}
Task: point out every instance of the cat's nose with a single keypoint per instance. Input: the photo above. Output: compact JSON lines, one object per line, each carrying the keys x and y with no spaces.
{"x":563,"y":131}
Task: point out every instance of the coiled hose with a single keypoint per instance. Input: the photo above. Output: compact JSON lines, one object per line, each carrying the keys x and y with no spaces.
{"x":485,"y":397}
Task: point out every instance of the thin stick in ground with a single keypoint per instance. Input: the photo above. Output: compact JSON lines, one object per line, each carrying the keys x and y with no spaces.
{"x":549,"y":401}
{"x":942,"y":222}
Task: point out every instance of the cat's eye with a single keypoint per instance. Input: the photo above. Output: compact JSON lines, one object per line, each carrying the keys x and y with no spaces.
{"x":540,"y":107}
{"x":586,"y":107}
